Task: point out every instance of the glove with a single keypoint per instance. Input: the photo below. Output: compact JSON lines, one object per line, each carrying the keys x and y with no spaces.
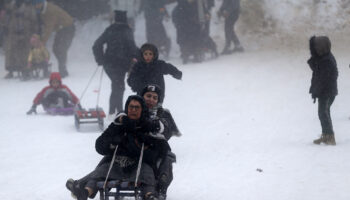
{"x":314,"y":98}
{"x":150,"y":125}
{"x":178,"y":76}
{"x":129,"y":124}
{"x":32,"y":110}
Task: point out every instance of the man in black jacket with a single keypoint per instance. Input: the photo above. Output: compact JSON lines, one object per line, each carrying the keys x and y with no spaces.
{"x":118,"y":57}
{"x":230,"y":9}
{"x":323,"y":84}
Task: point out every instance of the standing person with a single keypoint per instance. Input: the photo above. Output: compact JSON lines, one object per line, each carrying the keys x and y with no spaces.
{"x":155,"y":12}
{"x":130,"y":6}
{"x":53,"y":19}
{"x":150,"y":70}
{"x":117,"y":58}
{"x":20,"y":24}
{"x":323,"y":84}
{"x":129,"y":131}
{"x":230,"y":9}
{"x":38,"y":57}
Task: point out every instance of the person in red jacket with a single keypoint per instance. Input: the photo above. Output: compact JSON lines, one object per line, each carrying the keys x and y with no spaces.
{"x":56,"y":95}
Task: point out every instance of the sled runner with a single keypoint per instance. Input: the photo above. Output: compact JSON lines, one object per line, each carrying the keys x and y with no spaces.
{"x":118,"y":190}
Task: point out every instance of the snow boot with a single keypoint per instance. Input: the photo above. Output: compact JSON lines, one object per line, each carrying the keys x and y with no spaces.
{"x":326,"y":139}
{"x":238,"y":48}
{"x":330,"y":140}
{"x":77,"y":192}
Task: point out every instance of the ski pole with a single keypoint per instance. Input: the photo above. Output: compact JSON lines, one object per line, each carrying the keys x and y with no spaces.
{"x":110,"y":167}
{"x":139,"y":170}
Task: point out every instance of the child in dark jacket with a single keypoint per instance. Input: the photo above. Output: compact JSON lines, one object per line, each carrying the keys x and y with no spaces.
{"x":150,"y":70}
{"x":56,"y":95}
{"x":323,"y":84}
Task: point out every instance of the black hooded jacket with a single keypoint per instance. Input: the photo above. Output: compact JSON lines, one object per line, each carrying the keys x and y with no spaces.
{"x":129,"y":141}
{"x":120,"y":49}
{"x":143,"y":73}
{"x":324,"y":68}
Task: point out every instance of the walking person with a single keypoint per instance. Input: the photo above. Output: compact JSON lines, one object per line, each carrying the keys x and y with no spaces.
{"x":53,"y":19}
{"x":230,"y":10}
{"x":323,"y":84}
{"x":117,"y":58}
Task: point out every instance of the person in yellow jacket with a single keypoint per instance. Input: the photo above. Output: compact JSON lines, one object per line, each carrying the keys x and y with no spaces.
{"x":39,"y":56}
{"x":54,"y":19}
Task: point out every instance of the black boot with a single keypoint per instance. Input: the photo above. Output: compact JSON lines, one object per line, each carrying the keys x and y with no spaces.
{"x":77,"y":192}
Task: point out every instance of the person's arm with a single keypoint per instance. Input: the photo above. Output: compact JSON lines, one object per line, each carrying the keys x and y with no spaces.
{"x":110,"y":138}
{"x":73,"y":98}
{"x":172,"y":70}
{"x":97,"y":48}
{"x":133,"y":79}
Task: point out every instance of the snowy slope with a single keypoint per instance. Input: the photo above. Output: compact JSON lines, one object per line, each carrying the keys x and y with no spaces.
{"x":238,"y":113}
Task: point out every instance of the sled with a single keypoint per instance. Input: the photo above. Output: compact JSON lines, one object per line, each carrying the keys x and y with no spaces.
{"x":60,"y":111}
{"x":117,"y":190}
{"x":91,"y":116}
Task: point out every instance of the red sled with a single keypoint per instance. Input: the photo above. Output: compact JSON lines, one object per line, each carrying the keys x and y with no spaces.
{"x":91,"y":116}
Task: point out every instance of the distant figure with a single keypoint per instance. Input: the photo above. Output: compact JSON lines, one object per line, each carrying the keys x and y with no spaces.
{"x":155,"y":12}
{"x":323,"y":84}
{"x":53,"y":19}
{"x":150,"y":70}
{"x":55,"y":96}
{"x":19,"y":21}
{"x":117,"y":58}
{"x":38,"y":58}
{"x":230,"y":9}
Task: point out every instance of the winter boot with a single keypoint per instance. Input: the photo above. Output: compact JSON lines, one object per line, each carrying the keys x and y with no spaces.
{"x":77,"y":192}
{"x":238,"y":48}
{"x":321,"y":139}
{"x":329,"y":139}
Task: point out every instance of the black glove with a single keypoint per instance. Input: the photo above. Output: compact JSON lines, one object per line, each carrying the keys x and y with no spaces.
{"x":150,"y":125}
{"x":178,"y":76}
{"x":32,"y":110}
{"x":314,"y":98}
{"x":129,"y":124}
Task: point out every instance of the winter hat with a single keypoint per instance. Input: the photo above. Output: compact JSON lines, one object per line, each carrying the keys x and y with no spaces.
{"x":120,"y":16}
{"x":152,"y":88}
{"x":151,"y":47}
{"x":55,"y":76}
{"x":34,"y":2}
{"x":144,"y":114}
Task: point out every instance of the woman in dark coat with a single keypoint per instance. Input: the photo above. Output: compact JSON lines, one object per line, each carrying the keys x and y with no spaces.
{"x":127,"y":133}
{"x":152,"y":71}
{"x":323,"y":84}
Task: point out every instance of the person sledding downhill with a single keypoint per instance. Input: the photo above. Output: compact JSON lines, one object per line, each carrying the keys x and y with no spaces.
{"x":131,"y":139}
{"x":55,"y":98}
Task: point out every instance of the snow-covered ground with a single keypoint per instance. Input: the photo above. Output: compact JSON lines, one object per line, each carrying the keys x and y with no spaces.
{"x":238,"y":114}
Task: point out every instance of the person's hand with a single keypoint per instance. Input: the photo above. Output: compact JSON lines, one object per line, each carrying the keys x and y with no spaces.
{"x":150,"y":125}
{"x":178,"y":76}
{"x":314,"y":98}
{"x":32,"y":110}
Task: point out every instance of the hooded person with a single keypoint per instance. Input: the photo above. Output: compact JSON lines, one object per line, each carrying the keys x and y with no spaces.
{"x":117,"y":58}
{"x":55,"y":95}
{"x":164,"y":172}
{"x":323,"y":84}
{"x":128,"y":133}
{"x":151,"y":70}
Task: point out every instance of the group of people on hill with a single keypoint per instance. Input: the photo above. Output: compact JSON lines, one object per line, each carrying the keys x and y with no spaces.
{"x":28,"y":24}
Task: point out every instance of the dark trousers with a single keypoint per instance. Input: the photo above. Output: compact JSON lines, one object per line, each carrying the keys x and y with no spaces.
{"x":63,"y":40}
{"x":230,"y":34}
{"x":117,"y":77}
{"x":324,"y":114}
